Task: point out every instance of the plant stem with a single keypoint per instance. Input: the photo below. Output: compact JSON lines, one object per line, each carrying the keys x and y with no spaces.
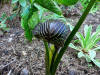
{"x":54,"y":56}
{"x":47,"y":58}
{"x":68,"y":40}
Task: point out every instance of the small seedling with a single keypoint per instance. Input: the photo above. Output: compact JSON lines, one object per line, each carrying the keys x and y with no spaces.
{"x":88,"y":44}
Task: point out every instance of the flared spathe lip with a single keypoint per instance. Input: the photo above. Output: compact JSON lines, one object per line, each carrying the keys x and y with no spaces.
{"x":53,"y":31}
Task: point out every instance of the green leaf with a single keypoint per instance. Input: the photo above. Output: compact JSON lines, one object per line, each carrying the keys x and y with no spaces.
{"x":14,"y":1}
{"x":80,"y":55}
{"x":94,"y":36}
{"x":87,"y":57}
{"x":97,"y":40}
{"x":50,"y":5}
{"x":98,"y":28}
{"x":33,"y":21}
{"x":97,"y":48}
{"x":41,"y":10}
{"x":93,"y":40}
{"x":28,"y":32}
{"x":26,"y":15}
{"x":81,"y":39}
{"x":31,"y":1}
{"x":22,"y":3}
{"x":96,"y":62}
{"x":3,"y":22}
{"x":97,"y":0}
{"x":90,"y":45}
{"x":6,"y":29}
{"x":67,"y":2}
{"x":25,"y":12}
{"x":74,"y":47}
{"x":3,"y":25}
{"x":76,"y":41}
{"x":53,"y":16}
{"x":92,"y":54}
{"x":87,"y":31}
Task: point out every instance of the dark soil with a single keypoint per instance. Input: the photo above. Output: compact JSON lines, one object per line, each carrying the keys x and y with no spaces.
{"x":17,"y":54}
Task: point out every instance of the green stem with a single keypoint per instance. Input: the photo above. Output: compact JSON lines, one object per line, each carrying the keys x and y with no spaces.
{"x":54,"y":56}
{"x":81,"y":20}
{"x":47,"y":58}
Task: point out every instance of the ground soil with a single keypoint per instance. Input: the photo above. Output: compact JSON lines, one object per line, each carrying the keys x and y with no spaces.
{"x":17,"y":54}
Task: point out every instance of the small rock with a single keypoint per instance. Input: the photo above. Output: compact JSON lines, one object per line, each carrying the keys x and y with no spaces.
{"x":24,"y":53}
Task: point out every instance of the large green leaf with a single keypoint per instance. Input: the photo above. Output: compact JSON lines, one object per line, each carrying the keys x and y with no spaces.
{"x":41,"y":10}
{"x":33,"y":21}
{"x":50,"y":5}
{"x":53,"y":16}
{"x":26,"y":15}
{"x":67,"y":2}
{"x":28,"y":33}
{"x":22,"y":3}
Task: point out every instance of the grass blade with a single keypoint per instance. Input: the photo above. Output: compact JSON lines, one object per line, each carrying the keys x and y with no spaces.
{"x":88,"y":35}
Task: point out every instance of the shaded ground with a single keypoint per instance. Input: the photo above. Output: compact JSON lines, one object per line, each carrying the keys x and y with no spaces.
{"x":16,"y":53}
